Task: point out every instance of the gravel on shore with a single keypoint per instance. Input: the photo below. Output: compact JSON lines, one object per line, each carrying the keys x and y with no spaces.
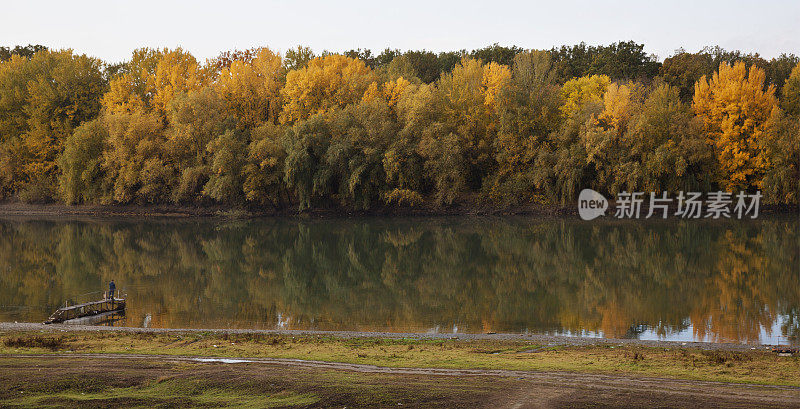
{"x":560,"y":340}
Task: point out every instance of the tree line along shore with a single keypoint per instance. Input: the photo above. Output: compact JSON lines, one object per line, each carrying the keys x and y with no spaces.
{"x":493,"y":128}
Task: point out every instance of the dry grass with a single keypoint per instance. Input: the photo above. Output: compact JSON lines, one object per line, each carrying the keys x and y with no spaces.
{"x":34,"y":342}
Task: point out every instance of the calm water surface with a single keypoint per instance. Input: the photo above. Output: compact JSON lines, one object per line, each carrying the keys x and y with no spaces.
{"x":730,"y":281}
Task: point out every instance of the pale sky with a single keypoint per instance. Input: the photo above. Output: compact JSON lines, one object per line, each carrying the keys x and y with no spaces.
{"x":111,"y":29}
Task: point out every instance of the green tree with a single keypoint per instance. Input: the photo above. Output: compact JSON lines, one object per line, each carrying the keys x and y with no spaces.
{"x":135,"y":161}
{"x":354,"y":159}
{"x":297,"y":58}
{"x":306,"y":144}
{"x":195,"y":119}
{"x":400,"y":66}
{"x":570,"y":170}
{"x":791,"y":93}
{"x":228,"y":154}
{"x":624,"y":60}
{"x":665,"y":148}
{"x":683,"y":70}
{"x":779,"y":69}
{"x":496,"y":53}
{"x":81,"y":163}
{"x":529,"y":112}
{"x":403,"y":160}
{"x":26,"y":52}
{"x":782,"y":177}
{"x":264,"y":171}
{"x":463,"y":116}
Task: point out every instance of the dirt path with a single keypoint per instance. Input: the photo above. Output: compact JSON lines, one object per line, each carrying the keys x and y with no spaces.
{"x":539,"y":389}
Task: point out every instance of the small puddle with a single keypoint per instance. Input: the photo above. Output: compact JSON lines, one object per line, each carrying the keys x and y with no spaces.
{"x":222,"y":360}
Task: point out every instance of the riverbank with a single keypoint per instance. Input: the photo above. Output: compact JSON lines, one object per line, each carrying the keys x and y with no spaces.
{"x":695,"y":361}
{"x":541,"y":339}
{"x":59,"y":366}
{"x":57,"y":211}
{"x":61,"y":211}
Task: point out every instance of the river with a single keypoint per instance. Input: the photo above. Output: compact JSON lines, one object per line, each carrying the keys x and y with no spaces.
{"x":716,"y":281}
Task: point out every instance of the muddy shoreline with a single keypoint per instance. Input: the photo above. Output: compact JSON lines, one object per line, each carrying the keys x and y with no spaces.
{"x":56,"y":211}
{"x":554,"y":340}
{"x":61,"y":211}
{"x":107,"y":381}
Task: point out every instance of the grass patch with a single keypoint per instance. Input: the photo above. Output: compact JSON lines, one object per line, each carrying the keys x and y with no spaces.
{"x":106,"y":383}
{"x":756,"y":366}
{"x":162,"y":393}
{"x":37,"y":341}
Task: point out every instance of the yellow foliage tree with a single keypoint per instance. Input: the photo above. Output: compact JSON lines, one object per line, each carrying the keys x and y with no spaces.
{"x":462,"y":99}
{"x":122,"y":96}
{"x":131,"y":91}
{"x":329,"y":82}
{"x":617,"y":107}
{"x":251,"y":91}
{"x":177,"y":71}
{"x":153,"y":80}
{"x":734,"y":107}
{"x":495,"y":77}
{"x":372,"y":92}
{"x":579,"y":91}
{"x":391,"y":91}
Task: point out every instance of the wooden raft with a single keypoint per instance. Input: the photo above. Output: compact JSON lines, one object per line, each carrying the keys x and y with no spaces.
{"x":86,"y":310}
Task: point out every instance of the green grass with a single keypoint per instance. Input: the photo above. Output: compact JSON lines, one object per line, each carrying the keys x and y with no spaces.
{"x":168,"y":392}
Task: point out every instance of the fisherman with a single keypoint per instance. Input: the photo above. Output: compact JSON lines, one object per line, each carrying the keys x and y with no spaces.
{"x":111,"y":288}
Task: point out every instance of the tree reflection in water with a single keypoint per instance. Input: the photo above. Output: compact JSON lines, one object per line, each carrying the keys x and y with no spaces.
{"x":715,"y":281}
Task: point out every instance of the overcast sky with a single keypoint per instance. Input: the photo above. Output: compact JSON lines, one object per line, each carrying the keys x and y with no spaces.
{"x":111,"y":29}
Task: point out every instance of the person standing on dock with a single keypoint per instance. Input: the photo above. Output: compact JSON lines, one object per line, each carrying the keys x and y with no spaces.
{"x":111,"y":288}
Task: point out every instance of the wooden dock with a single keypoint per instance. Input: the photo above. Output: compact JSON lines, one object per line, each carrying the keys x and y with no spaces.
{"x":86,"y":310}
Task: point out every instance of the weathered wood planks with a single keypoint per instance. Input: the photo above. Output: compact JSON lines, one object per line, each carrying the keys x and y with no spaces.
{"x":86,"y":310}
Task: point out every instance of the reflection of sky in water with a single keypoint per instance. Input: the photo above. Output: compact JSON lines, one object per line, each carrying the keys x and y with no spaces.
{"x":769,"y":336}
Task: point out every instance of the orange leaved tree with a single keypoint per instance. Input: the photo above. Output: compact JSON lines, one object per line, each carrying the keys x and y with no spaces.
{"x":734,"y":107}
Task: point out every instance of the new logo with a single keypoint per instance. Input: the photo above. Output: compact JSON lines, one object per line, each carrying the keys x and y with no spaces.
{"x":591,"y":204}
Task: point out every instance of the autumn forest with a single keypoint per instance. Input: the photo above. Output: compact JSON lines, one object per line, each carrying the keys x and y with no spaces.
{"x":501,"y":126}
